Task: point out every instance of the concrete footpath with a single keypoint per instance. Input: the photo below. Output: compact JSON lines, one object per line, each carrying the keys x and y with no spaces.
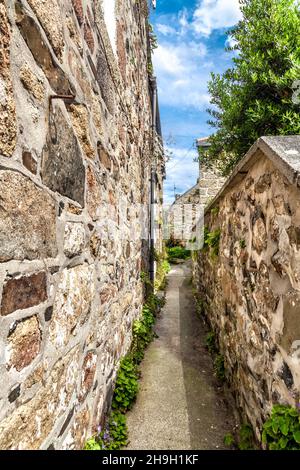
{"x":179,"y":405}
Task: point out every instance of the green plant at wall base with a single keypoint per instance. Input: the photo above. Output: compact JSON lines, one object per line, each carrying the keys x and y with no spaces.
{"x":282,"y":430}
{"x":156,"y":256}
{"x":145,"y":279}
{"x":163,"y":267}
{"x":246,"y":437}
{"x":219,"y":367}
{"x":113,"y":437}
{"x":200,"y":306}
{"x":210,"y":342}
{"x":144,"y":276}
{"x":229,"y":440}
{"x":118,"y":431}
{"x":142,"y":334}
{"x":126,"y":388}
{"x":92,"y":444}
{"x":154,"y":303}
{"x":212,"y":241}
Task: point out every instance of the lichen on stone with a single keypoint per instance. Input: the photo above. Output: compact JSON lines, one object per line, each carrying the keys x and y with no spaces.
{"x":31,"y":82}
{"x":27,"y":219}
{"x":24,"y":343}
{"x":48,"y":13}
{"x":8,"y":126}
{"x":74,"y":35}
{"x":80,"y":121}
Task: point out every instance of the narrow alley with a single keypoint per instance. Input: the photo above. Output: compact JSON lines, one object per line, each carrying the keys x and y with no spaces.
{"x":180,"y":405}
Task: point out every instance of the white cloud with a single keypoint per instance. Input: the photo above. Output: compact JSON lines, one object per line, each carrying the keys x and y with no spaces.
{"x":230,"y":42}
{"x":182,"y":171}
{"x":168,"y":59}
{"x":181,"y":73}
{"x":215,"y":14}
{"x":182,"y":62}
{"x":165,"y":29}
{"x":183,"y":21}
{"x":174,"y":24}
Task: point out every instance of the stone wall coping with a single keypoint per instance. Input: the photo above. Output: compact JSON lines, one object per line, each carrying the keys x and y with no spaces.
{"x":283,"y":151}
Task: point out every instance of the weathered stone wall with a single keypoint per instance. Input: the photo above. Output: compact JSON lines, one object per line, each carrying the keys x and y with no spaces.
{"x":210,"y":182}
{"x":250,"y":292}
{"x":75,"y":154}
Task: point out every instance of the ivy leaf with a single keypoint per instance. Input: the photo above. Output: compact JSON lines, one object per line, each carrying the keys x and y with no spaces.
{"x":274,"y":446}
{"x":275,"y":427}
{"x":284,"y":426}
{"x":283,"y":442}
{"x":293,"y":412}
{"x":296,"y":436}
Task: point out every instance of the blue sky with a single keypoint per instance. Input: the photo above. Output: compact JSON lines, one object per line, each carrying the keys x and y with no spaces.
{"x":191,"y":37}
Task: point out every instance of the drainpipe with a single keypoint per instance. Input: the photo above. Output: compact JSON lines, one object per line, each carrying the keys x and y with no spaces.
{"x":153,"y":182}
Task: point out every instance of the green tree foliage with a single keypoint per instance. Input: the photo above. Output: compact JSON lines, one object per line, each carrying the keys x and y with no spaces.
{"x":178,"y":252}
{"x":256,"y":97}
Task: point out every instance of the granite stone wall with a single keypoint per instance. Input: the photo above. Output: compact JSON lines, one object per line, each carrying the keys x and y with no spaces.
{"x":250,"y":291}
{"x":210,"y":182}
{"x":76,"y":145}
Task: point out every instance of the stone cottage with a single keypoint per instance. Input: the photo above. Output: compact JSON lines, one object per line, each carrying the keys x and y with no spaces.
{"x":79,"y":144}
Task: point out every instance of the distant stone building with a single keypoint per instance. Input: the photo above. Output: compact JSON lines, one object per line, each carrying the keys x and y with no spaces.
{"x":210,"y":181}
{"x":183,"y":215}
{"x":186,"y":213}
{"x":79,"y":144}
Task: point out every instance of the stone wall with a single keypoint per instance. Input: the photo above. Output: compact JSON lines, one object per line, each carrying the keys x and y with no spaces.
{"x":185,"y":214}
{"x":210,"y":182}
{"x":250,"y":292}
{"x":76,"y":146}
